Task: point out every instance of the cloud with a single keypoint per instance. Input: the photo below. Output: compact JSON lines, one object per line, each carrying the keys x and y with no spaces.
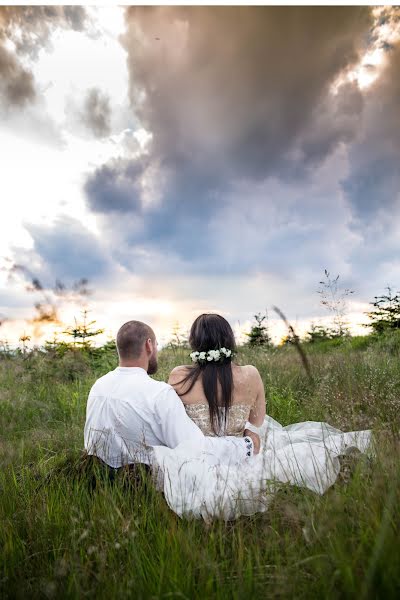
{"x":232,"y":97}
{"x":30,"y":27}
{"x":96,"y":114}
{"x":332,"y":122}
{"x":246,"y":130}
{"x":245,"y":229}
{"x":236,"y":201}
{"x":116,"y":186}
{"x":65,"y":250}
{"x":24,"y":31}
{"x":373,"y":186}
{"x":232,"y":90}
{"x":16,"y":83}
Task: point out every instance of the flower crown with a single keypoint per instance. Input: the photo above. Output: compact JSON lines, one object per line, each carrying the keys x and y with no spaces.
{"x":210,"y":355}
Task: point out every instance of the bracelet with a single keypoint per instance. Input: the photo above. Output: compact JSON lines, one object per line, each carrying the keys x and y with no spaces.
{"x":249,"y":445}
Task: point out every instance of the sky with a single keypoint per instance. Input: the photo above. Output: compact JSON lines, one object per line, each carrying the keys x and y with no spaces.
{"x":193,"y":159}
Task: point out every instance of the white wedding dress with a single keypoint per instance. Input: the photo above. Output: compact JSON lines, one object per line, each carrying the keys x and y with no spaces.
{"x":198,"y":485}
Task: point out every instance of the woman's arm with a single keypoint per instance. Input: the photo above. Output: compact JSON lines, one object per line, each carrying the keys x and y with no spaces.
{"x":257,"y":413}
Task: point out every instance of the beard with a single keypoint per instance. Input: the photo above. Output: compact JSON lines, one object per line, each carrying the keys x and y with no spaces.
{"x":153,"y":365}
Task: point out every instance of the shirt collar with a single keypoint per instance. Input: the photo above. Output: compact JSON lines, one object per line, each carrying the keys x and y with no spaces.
{"x":138,"y":370}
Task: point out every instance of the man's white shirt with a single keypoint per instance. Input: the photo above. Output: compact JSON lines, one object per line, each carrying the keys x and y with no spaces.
{"x":128,"y":412}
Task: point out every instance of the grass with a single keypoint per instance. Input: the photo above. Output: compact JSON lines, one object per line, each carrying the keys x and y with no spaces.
{"x":60,"y":538}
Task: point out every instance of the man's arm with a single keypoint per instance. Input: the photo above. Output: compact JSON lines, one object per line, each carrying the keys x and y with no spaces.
{"x":176,"y":427}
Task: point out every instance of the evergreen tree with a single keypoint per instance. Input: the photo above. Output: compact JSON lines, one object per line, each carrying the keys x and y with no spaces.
{"x":179,"y":339}
{"x":83,"y":332}
{"x":319,"y":333}
{"x":259,"y":335}
{"x":386,"y":313}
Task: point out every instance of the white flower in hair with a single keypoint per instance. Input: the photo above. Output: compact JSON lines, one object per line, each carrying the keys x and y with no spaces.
{"x":210,"y":355}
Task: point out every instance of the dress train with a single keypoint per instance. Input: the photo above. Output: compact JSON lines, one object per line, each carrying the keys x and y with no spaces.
{"x":199,"y":485}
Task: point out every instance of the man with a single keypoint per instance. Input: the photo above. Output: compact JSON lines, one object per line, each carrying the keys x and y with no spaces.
{"x":128,"y":412}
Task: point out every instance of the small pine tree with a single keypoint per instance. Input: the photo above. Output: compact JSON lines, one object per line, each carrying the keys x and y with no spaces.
{"x":259,"y":335}
{"x":319,"y":333}
{"x":387,"y":312}
{"x":82,"y":333}
{"x":179,"y":338}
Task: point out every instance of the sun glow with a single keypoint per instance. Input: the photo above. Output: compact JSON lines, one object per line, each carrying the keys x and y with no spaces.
{"x":385,"y":32}
{"x":369,"y":68}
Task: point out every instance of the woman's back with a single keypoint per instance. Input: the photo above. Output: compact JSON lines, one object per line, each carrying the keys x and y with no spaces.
{"x":248,"y":400}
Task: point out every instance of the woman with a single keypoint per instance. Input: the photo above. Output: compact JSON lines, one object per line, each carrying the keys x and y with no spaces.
{"x":221,"y":397}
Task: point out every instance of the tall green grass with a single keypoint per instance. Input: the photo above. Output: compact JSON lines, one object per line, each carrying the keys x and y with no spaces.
{"x":60,"y":537}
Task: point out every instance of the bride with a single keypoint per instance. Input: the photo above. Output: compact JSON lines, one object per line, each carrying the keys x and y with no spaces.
{"x":223,"y":398}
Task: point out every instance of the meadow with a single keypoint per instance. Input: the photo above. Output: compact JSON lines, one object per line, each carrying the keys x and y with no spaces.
{"x":62,"y":538}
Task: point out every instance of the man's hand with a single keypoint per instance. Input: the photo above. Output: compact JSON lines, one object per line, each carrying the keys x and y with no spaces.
{"x":255,"y":438}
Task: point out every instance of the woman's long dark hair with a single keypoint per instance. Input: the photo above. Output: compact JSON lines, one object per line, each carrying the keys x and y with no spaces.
{"x":212,"y":332}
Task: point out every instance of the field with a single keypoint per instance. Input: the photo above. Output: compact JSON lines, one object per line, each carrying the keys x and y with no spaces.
{"x":59,"y":538}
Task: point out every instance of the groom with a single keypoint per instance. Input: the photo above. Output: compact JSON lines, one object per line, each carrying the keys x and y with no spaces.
{"x":128,"y":412}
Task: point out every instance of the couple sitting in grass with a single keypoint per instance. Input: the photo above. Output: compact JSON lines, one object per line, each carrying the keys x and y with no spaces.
{"x":205,"y":434}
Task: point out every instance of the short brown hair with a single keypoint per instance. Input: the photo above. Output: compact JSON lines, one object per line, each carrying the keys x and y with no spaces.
{"x":131,"y":338}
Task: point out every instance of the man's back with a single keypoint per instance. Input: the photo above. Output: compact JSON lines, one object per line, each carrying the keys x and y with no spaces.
{"x":126,"y":410}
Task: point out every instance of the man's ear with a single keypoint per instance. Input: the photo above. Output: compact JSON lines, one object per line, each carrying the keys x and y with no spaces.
{"x":149,"y":346}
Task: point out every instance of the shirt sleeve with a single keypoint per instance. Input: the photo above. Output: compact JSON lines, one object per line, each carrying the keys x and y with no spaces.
{"x":176,"y":427}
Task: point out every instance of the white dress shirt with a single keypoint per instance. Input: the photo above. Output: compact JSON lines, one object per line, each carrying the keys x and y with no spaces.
{"x":128,"y":412}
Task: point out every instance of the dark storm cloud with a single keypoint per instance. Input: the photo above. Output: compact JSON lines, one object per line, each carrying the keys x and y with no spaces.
{"x":96,"y":113}
{"x":16,"y":83}
{"x":116,"y":187}
{"x":230,"y":95}
{"x":29,"y":29}
{"x":373,"y":186}
{"x":189,"y":199}
{"x":65,"y":250}
{"x":243,"y":229}
{"x":332,"y":121}
{"x":234,"y":89}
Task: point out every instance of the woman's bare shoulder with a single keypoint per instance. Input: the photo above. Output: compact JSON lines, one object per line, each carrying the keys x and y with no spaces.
{"x":248,"y":371}
{"x":246,"y":368}
{"x":177,"y":373}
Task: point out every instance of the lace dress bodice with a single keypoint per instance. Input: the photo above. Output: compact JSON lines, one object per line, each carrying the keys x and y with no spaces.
{"x":238,"y":415}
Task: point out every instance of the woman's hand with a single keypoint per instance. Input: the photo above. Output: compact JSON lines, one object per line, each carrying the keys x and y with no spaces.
{"x":255,"y":439}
